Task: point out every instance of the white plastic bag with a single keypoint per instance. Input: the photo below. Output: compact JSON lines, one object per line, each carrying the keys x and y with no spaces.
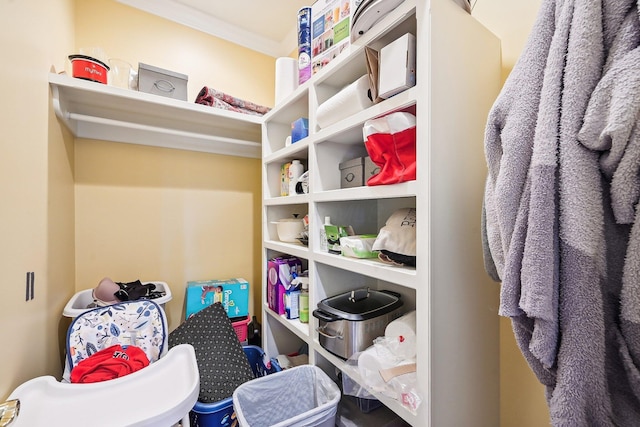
{"x":376,"y":363}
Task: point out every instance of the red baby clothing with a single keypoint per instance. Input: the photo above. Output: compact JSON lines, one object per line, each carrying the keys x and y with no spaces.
{"x":112,"y":362}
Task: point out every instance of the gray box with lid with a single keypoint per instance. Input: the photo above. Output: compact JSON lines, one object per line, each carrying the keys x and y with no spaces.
{"x":352,"y":173}
{"x":356,"y":172}
{"x":370,"y":169}
{"x":159,"y":81}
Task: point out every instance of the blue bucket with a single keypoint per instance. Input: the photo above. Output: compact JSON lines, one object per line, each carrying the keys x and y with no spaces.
{"x":221,"y":414}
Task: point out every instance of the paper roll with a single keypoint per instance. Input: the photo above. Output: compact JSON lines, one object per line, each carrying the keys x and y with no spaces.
{"x":350,"y":100}
{"x":403,"y":329}
{"x":404,"y":325}
{"x":286,"y":77}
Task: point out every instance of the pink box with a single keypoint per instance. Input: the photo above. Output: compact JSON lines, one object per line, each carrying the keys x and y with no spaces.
{"x":279,"y":275}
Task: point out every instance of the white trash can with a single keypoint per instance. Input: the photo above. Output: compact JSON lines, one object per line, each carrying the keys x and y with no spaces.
{"x":296,"y":397}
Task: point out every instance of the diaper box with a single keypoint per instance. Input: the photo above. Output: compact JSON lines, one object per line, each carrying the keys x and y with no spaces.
{"x":279,"y":276}
{"x":330,"y":30}
{"x":233,"y":294}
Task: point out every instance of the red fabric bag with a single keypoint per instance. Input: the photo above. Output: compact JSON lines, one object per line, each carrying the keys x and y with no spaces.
{"x":391,"y":144}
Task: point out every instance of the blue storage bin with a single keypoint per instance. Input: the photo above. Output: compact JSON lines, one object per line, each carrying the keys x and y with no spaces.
{"x":220,"y":414}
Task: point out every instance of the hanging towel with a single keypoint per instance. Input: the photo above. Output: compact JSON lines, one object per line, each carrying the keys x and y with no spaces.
{"x":548,"y":228}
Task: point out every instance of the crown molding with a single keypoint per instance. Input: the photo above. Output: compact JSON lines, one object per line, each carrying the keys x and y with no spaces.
{"x":198,"y":20}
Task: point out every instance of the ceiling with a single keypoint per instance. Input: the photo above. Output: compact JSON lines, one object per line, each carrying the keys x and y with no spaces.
{"x":266,"y":26}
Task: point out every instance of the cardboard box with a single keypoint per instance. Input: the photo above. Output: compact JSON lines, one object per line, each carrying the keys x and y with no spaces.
{"x":330,"y":30}
{"x":279,"y":277}
{"x":233,"y":294}
{"x":352,"y":173}
{"x":370,"y":169}
{"x":397,"y":66}
{"x":299,"y":129}
{"x":284,"y":179}
{"x":162,"y":82}
{"x":334,"y":233}
{"x":292,"y":304}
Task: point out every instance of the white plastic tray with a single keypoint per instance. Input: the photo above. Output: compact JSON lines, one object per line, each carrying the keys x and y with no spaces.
{"x":79,"y":302}
{"x":161,"y":394}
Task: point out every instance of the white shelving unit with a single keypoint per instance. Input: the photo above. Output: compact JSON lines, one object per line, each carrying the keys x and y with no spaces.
{"x":97,"y":111}
{"x":458,"y":78}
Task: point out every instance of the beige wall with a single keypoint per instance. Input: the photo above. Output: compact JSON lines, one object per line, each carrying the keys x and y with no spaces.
{"x":36,"y":188}
{"x":75,"y":211}
{"x":135,"y":36}
{"x":160,"y":214}
{"x":522,"y":400}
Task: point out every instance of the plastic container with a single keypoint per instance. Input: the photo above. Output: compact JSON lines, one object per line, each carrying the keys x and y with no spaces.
{"x":220,"y":414}
{"x":296,"y":169}
{"x":324,"y":245}
{"x":240,"y":327}
{"x":304,"y":302}
{"x":79,"y":302}
{"x":365,"y":404}
{"x":88,"y":68}
{"x":260,"y":403}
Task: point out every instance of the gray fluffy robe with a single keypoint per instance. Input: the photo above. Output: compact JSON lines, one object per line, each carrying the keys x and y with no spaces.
{"x":562,"y":146}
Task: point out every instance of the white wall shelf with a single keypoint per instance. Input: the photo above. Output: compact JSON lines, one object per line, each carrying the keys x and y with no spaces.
{"x":96,"y":111}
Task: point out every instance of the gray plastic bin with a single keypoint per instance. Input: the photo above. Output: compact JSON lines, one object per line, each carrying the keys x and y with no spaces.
{"x":296,"y":397}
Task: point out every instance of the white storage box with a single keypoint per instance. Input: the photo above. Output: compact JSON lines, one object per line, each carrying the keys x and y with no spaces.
{"x":79,"y":302}
{"x":397,"y":66}
{"x":261,"y":402}
{"x":162,"y":82}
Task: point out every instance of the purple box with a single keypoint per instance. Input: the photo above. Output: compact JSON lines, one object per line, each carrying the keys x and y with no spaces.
{"x":279,"y":275}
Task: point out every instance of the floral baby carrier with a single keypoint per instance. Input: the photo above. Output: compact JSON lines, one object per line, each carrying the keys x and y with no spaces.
{"x":139,"y":323}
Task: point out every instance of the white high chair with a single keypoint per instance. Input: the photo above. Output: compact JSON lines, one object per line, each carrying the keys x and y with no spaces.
{"x":159,"y":395}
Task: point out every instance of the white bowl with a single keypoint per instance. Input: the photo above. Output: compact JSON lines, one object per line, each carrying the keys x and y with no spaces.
{"x":289,"y":229}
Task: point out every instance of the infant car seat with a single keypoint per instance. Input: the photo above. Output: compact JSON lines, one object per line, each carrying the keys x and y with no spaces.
{"x":137,"y":323}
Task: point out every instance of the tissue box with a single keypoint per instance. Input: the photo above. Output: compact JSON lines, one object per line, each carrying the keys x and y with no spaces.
{"x":330,"y":30}
{"x":358,"y":246}
{"x":352,"y":173}
{"x":397,"y":66}
{"x":233,"y":294}
{"x":162,"y":82}
{"x":292,"y":304}
{"x":279,"y":277}
{"x":299,"y":129}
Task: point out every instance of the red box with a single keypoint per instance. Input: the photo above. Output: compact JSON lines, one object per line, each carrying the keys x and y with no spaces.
{"x":279,"y":275}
